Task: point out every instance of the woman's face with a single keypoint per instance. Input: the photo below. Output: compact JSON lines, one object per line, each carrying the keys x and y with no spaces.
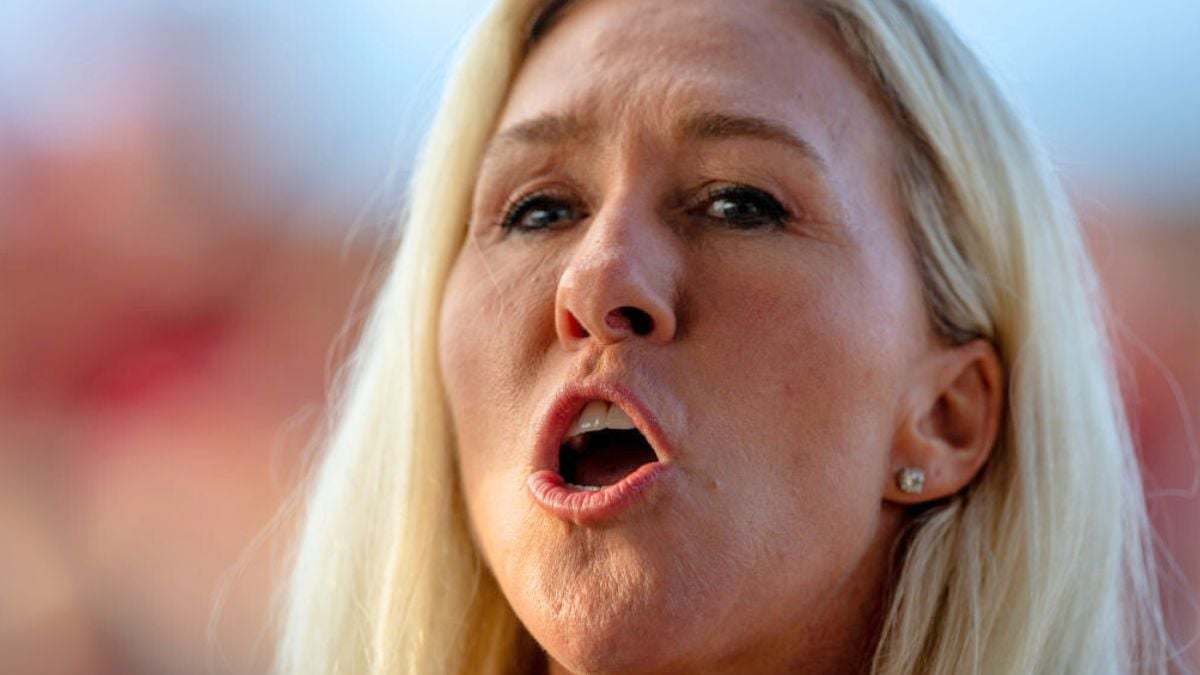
{"x":686,"y":213}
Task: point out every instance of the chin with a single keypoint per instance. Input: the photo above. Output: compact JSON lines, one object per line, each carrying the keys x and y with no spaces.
{"x":608,"y":617}
{"x":631,"y":649}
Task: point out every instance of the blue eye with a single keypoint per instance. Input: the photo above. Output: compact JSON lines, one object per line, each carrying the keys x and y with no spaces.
{"x":743,"y":207}
{"x":539,"y":212}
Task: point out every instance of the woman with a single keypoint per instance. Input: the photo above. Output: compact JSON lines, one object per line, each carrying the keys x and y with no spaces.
{"x":728,"y":337}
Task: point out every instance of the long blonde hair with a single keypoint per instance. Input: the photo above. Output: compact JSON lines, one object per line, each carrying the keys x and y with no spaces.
{"x":1041,"y":566}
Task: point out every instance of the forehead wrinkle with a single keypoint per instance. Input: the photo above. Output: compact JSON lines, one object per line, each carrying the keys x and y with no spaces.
{"x":584,"y":118}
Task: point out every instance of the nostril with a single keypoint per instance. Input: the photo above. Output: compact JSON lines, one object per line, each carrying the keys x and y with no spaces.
{"x":630,"y":318}
{"x":575,"y":327}
{"x":640,"y":321}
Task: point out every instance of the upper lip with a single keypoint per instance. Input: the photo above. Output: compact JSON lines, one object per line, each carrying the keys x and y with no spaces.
{"x":571,"y":399}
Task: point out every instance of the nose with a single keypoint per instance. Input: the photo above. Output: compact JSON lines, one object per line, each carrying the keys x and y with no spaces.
{"x":620,"y":283}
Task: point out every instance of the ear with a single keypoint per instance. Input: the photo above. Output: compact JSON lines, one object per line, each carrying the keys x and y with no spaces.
{"x":949,"y":423}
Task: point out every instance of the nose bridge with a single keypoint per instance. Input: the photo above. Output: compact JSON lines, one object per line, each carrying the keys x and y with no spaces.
{"x":622,"y":281}
{"x":619,"y":243}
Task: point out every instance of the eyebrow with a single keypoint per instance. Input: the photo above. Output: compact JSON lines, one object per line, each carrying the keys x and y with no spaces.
{"x":547,"y":129}
{"x":718,"y":126}
{"x":555,"y":129}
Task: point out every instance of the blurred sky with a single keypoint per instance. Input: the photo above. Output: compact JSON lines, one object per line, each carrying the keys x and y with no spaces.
{"x":1112,"y":86}
{"x":321,"y":99}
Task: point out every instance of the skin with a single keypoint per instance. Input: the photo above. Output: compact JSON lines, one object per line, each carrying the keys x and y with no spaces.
{"x":790,"y":362}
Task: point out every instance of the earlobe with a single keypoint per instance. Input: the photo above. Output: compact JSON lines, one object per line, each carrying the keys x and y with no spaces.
{"x":951,"y":425}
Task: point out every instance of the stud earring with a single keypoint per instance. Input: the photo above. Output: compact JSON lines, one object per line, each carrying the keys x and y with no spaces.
{"x":910,"y":480}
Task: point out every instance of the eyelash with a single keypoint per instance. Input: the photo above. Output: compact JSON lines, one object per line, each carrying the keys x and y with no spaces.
{"x":518,"y":207}
{"x":772,"y":213}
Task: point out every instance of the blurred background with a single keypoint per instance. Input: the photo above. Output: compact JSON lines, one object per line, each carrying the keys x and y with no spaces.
{"x":196,"y":195}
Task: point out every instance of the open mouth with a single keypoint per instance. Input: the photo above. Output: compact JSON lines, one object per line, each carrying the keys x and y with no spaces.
{"x":601,"y":448}
{"x":593,"y":463}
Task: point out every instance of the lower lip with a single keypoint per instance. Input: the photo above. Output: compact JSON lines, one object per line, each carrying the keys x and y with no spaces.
{"x":588,"y":507}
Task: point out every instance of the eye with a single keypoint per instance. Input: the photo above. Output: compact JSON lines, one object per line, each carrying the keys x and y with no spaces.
{"x":743,"y":207}
{"x":539,"y":212}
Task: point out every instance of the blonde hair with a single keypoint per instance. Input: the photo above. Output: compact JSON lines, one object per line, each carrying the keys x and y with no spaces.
{"x":1041,"y":566}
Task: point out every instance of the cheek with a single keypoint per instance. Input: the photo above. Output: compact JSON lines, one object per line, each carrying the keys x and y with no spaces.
{"x":493,"y":324}
{"x":495,"y":321}
{"x":809,"y":344}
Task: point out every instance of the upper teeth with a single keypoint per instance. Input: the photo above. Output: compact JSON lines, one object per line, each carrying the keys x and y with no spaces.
{"x":598,"y":415}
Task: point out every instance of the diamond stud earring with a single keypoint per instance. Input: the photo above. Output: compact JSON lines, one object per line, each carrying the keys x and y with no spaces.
{"x":910,"y":480}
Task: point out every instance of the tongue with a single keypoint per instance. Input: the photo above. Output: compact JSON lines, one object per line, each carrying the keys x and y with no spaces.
{"x":607,"y":458}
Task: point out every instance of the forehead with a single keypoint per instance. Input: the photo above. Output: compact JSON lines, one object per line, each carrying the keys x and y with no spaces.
{"x":610,"y":62}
